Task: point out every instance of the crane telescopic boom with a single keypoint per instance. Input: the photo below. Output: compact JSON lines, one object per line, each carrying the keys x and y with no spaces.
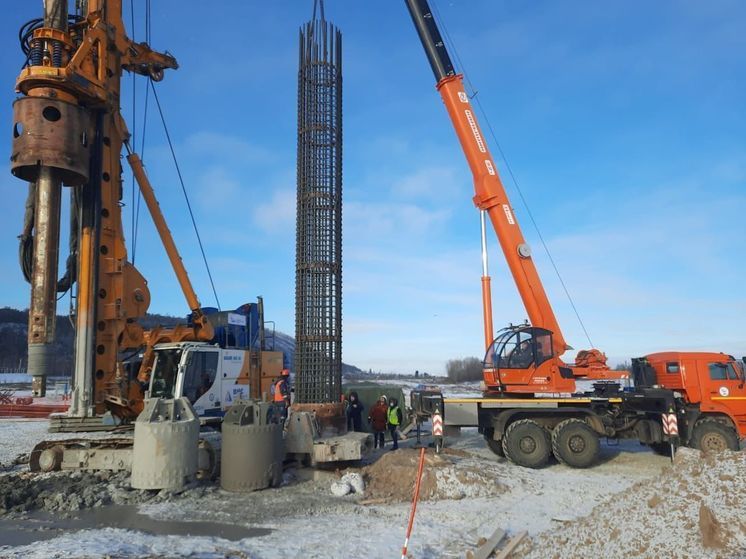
{"x":522,"y":359}
{"x":490,"y":195}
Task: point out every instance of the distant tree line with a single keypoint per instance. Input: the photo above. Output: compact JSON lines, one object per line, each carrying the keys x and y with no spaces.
{"x":466,"y":369}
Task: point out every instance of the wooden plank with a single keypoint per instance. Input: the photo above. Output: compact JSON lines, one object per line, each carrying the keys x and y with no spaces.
{"x":511,"y":545}
{"x":486,"y":549}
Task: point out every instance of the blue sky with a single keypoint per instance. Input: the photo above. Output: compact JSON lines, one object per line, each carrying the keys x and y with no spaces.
{"x":623,"y":122}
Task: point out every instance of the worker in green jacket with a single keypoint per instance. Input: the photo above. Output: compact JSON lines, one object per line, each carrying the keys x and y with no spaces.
{"x":394,"y":421}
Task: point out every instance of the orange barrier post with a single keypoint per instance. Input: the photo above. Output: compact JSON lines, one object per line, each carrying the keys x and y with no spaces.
{"x":414,"y":502}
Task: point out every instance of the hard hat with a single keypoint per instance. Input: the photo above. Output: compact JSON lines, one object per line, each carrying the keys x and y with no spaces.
{"x":285,"y":372}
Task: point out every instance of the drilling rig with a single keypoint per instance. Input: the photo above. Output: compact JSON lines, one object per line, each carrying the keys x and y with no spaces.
{"x":69,"y":134}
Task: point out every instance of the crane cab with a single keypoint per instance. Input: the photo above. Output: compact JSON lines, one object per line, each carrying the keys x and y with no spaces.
{"x":208,"y":376}
{"x":521,"y":359}
{"x":212,"y":378}
{"x":524,"y":360}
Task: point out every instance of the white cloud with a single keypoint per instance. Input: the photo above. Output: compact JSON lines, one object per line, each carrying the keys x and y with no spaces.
{"x":661,"y":278}
{"x":218,"y":189}
{"x":233,"y":149}
{"x":652,"y":272}
{"x":277,"y":214}
{"x":381,"y":220}
{"x":429,"y":181}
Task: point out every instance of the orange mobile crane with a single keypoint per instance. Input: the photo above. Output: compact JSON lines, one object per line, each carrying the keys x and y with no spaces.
{"x":530,"y":410}
{"x":510,"y":367}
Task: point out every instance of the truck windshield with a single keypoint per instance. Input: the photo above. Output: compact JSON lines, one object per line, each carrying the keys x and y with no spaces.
{"x":739,"y":370}
{"x":165,"y":372}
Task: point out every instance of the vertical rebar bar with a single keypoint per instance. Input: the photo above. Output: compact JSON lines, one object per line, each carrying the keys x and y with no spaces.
{"x":318,"y":273}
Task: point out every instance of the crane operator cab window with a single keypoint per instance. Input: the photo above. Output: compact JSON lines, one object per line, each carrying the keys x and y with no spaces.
{"x":520,"y":349}
{"x":165,"y":373}
{"x":200,"y":372}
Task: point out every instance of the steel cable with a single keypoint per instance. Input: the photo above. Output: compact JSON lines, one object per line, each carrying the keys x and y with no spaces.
{"x":183,"y":189}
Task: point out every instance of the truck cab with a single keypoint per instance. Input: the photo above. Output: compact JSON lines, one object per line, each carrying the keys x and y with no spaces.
{"x":712,"y":384}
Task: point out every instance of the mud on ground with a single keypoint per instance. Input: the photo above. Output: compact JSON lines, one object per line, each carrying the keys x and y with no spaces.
{"x":24,"y":492}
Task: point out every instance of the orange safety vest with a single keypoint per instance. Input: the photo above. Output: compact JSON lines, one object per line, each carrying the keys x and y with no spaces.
{"x":279,"y":396}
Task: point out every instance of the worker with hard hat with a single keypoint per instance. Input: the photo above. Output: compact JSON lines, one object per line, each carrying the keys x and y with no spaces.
{"x":281,"y":394}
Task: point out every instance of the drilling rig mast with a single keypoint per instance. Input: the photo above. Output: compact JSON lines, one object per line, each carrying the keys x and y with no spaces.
{"x":68,"y":131}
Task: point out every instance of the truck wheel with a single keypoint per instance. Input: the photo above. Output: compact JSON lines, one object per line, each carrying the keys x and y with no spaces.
{"x":710,"y":435}
{"x":495,"y":446}
{"x":527,"y":443}
{"x":575,"y":444}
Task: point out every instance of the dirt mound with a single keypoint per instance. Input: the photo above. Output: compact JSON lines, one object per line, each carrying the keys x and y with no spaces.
{"x":444,"y":476}
{"x":71,"y":491}
{"x":692,"y":509}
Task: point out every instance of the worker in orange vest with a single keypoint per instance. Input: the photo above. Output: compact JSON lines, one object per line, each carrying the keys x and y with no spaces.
{"x":281,"y":391}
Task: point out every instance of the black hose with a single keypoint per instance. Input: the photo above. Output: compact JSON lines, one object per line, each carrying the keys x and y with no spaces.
{"x":26,"y":241}
{"x":26,"y":32}
{"x":25,"y":255}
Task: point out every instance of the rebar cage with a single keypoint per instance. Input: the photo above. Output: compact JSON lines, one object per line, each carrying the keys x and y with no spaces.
{"x":318,"y":272}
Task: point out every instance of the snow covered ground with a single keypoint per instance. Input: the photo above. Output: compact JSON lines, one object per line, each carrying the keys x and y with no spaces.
{"x":302,"y":519}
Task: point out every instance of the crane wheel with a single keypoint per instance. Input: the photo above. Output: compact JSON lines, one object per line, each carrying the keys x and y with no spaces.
{"x":575,"y":444}
{"x":527,"y":443}
{"x":711,"y":435}
{"x":493,"y":445}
